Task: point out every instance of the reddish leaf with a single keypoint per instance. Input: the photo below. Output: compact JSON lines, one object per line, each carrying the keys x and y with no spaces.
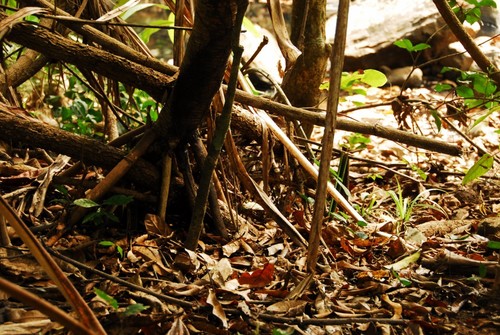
{"x":259,"y":277}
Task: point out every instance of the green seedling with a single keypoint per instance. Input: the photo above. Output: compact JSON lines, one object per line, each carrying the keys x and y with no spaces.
{"x":406,"y":206}
{"x":103,"y":211}
{"x":112,"y":244}
{"x":132,"y":309}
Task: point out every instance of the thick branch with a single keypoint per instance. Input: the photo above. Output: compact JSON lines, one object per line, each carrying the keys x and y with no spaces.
{"x":458,"y":30}
{"x":201,"y":72}
{"x":107,"y":42}
{"x":348,"y":125}
{"x":94,"y":59}
{"x":29,"y":131}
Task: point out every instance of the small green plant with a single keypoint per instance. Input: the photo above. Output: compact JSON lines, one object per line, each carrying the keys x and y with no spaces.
{"x":356,"y":142}
{"x":112,"y":244}
{"x":405,"y":282}
{"x":130,"y":310}
{"x":353,"y":82}
{"x":102,"y":211}
{"x":408,"y":45}
{"x":405,"y":205}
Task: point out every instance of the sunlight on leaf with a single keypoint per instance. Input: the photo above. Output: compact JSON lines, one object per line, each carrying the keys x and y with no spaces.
{"x":482,"y":166}
{"x":404,"y":263}
{"x":374,"y":78}
{"x":106,"y":297}
{"x":85,"y":203}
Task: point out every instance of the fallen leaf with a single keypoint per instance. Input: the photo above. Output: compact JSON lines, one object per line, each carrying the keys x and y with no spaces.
{"x":259,"y":277}
{"x":288,"y":307}
{"x":405,"y":262}
{"x":178,"y":327}
{"x":156,"y":226}
{"x":217,"y":310}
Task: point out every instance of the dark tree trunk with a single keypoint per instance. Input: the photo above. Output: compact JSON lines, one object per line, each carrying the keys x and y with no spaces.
{"x":202,"y":69}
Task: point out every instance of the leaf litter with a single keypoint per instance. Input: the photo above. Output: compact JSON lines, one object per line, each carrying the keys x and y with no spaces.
{"x":425,"y":267}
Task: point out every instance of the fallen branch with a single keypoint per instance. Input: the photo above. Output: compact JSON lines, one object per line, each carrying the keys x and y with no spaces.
{"x":348,"y":125}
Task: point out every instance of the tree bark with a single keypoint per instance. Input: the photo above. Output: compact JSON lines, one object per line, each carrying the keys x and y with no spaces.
{"x":89,"y":57}
{"x":301,"y":83}
{"x":15,"y":127}
{"x":202,"y":69}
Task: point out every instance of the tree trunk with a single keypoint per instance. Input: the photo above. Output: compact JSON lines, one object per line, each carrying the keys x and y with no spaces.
{"x":202,"y":69}
{"x":302,"y":81}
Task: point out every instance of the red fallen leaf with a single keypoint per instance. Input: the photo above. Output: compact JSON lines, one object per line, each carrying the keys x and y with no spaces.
{"x":476,"y":257}
{"x":259,"y":277}
{"x":346,"y":246}
{"x":299,"y":218}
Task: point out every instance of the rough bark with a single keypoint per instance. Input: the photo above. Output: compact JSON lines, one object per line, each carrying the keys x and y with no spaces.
{"x":31,"y":132}
{"x":89,"y":57}
{"x":301,"y":83}
{"x":110,"y":44}
{"x":202,"y":69}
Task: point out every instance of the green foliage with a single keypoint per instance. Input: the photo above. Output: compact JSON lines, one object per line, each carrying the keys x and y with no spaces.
{"x":112,"y":244}
{"x":482,"y":166}
{"x":416,"y":169}
{"x":471,"y":15}
{"x":356,"y":142}
{"x":352,"y":82}
{"x":493,"y":245}
{"x":130,"y":310}
{"x":106,"y":297}
{"x":405,"y":206}
{"x":408,"y":45}
{"x":405,"y":282}
{"x":102,"y":213}
{"x":277,"y":331}
{"x":146,"y":33}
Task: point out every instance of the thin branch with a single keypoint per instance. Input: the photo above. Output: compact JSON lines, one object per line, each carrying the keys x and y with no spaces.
{"x":337,"y":61}
{"x":215,"y":147}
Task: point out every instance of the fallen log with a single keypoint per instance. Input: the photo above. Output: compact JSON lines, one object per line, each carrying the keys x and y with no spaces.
{"x":16,"y":127}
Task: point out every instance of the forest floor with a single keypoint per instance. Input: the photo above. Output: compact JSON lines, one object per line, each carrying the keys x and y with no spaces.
{"x":426,"y":262}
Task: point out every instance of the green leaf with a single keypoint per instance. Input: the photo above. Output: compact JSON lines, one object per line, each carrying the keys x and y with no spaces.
{"x":437,"y":119}
{"x":325,"y":86}
{"x":120,"y":250}
{"x":442,"y":87}
{"x":106,"y":243}
{"x":374,"y":78}
{"x":153,"y":114}
{"x":404,"y":44}
{"x":465,"y":92}
{"x":484,"y":85}
{"x":483,"y":165}
{"x":484,"y":116}
{"x":421,"y":46}
{"x":493,"y":245}
{"x":131,"y":11}
{"x":134,"y":309}
{"x":85,"y":203}
{"x":93,"y":217}
{"x":118,"y":200}
{"x":405,"y":262}
{"x":104,"y":296}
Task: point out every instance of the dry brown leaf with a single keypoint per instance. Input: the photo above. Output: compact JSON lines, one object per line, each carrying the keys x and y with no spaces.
{"x":178,"y":327}
{"x":156,"y":226}
{"x":288,"y":307}
{"x":217,"y":310}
